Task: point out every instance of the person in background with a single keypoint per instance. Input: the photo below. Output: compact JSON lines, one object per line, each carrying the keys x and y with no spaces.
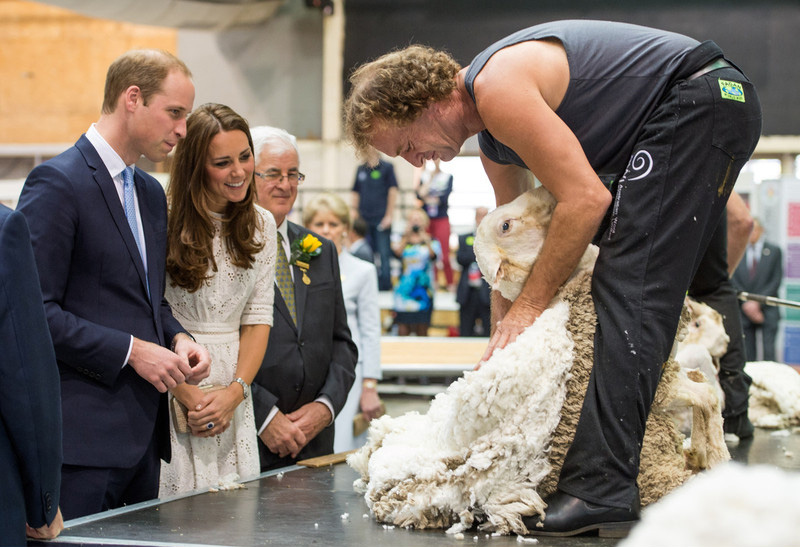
{"x":310,"y":362}
{"x":329,"y":216}
{"x":359,"y":246}
{"x":761,"y":272}
{"x":473,"y":294}
{"x":374,"y":197}
{"x":30,"y":398}
{"x":220,"y":276}
{"x":640,"y":135}
{"x":98,"y":226}
{"x":433,"y":187}
{"x":413,"y":295}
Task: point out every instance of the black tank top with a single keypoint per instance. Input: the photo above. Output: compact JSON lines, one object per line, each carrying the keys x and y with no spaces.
{"x":618,"y":72}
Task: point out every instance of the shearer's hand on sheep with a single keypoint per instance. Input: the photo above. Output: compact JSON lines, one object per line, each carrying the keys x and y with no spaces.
{"x":570,"y":219}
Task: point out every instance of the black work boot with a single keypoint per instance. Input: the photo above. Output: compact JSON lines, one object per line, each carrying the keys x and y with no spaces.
{"x":740,"y":425}
{"x":569,"y":516}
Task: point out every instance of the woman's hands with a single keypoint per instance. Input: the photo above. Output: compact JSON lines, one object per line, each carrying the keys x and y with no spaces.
{"x":215,"y":408}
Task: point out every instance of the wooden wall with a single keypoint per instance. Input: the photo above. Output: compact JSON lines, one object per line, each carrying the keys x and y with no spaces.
{"x":50,"y":93}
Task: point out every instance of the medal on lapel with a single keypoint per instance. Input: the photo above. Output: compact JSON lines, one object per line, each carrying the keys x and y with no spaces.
{"x":303,"y":250}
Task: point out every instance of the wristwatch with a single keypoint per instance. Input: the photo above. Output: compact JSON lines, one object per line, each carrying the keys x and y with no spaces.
{"x":243,"y":384}
{"x":370,"y":383}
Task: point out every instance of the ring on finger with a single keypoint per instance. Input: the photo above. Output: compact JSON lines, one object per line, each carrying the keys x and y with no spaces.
{"x":210,"y":425}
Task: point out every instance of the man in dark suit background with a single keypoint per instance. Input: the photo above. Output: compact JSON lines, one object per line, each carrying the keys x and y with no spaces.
{"x":359,"y":246}
{"x":310,"y":362}
{"x":760,"y":272}
{"x":30,"y":402}
{"x":98,"y":229}
{"x":473,"y":293}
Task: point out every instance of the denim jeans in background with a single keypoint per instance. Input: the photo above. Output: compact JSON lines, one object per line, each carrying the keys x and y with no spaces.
{"x":380,"y":241}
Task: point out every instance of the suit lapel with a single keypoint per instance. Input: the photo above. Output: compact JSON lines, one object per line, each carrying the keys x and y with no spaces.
{"x":300,"y":288}
{"x":111,"y":197}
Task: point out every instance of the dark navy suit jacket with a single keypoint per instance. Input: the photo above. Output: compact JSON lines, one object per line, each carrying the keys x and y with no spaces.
{"x":30,"y":408}
{"x":313,"y":358}
{"x":93,"y":285}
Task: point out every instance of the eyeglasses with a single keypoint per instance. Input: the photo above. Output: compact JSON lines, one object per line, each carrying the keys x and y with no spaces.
{"x":274,"y":177}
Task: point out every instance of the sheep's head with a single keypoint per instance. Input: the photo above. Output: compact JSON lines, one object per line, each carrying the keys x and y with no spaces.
{"x":706,"y":328}
{"x":509,"y":239}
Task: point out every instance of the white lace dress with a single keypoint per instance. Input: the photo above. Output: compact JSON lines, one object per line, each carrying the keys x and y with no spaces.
{"x":213,"y":314}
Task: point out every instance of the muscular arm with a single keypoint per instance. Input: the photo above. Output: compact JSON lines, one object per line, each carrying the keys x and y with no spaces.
{"x":551,"y":151}
{"x":740,"y":224}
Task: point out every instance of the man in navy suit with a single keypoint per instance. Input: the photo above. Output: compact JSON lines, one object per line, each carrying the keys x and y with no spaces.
{"x":310,"y":362}
{"x":30,"y":403}
{"x":99,"y":237}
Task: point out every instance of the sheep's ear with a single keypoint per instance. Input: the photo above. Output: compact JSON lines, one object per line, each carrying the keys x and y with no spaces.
{"x":499,"y":274}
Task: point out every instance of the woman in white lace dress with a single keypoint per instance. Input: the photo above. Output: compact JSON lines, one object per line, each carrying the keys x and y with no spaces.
{"x":221,"y":267}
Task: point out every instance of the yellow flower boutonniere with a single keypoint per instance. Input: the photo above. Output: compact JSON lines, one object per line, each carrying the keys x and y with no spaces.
{"x":303,"y":250}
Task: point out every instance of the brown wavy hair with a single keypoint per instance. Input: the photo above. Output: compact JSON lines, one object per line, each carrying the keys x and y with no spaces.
{"x":146,"y":68}
{"x":395,"y":88}
{"x":190,"y":230}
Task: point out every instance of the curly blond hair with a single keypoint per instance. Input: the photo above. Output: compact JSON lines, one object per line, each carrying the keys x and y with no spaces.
{"x":395,"y":88}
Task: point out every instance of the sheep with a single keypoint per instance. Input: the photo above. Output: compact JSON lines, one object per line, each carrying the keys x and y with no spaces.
{"x":699,"y":347}
{"x":491,"y":446}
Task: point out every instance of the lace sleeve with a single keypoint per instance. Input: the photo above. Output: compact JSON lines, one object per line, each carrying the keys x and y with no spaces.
{"x":258,"y":310}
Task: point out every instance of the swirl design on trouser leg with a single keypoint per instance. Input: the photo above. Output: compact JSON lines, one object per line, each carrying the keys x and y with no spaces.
{"x":640,"y":166}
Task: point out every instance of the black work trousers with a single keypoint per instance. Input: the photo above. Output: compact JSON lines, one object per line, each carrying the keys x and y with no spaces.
{"x":665,"y":211}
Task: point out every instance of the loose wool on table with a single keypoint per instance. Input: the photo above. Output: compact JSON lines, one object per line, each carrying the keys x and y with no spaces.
{"x":774,"y":395}
{"x":732,"y":505}
{"x":491,"y":446}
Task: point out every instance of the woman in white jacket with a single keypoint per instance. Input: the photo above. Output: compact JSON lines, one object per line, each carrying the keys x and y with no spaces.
{"x":329,"y":216}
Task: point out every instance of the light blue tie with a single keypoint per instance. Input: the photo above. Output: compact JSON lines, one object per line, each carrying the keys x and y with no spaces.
{"x":130,"y":213}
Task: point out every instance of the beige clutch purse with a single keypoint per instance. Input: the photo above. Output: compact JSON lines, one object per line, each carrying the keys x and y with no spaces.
{"x":180,"y":414}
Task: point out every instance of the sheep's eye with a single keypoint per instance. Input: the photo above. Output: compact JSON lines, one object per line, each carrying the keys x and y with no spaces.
{"x":697,"y":324}
{"x":506,"y":226}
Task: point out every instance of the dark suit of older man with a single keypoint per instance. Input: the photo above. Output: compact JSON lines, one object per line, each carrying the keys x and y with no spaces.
{"x":310,"y":362}
{"x":313,"y":358}
{"x":30,"y":400}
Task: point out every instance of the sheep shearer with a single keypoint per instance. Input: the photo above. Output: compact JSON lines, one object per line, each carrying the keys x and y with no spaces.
{"x":665,"y":120}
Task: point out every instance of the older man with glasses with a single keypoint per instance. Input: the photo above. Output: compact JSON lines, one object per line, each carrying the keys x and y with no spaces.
{"x":309,"y":365}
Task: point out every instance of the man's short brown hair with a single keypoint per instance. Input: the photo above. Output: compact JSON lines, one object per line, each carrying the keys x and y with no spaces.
{"x":396,"y":88}
{"x":145,"y":68}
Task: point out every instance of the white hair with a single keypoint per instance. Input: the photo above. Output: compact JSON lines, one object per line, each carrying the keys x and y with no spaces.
{"x":277,"y":138}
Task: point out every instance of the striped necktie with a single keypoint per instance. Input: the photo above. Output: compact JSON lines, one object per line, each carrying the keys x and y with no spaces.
{"x":284,"y":279}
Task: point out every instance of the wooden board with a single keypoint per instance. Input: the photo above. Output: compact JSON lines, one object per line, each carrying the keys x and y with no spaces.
{"x":322,"y":461}
{"x":431,"y":350}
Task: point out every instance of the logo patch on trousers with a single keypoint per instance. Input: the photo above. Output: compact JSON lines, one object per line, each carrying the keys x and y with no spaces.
{"x":731,"y":90}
